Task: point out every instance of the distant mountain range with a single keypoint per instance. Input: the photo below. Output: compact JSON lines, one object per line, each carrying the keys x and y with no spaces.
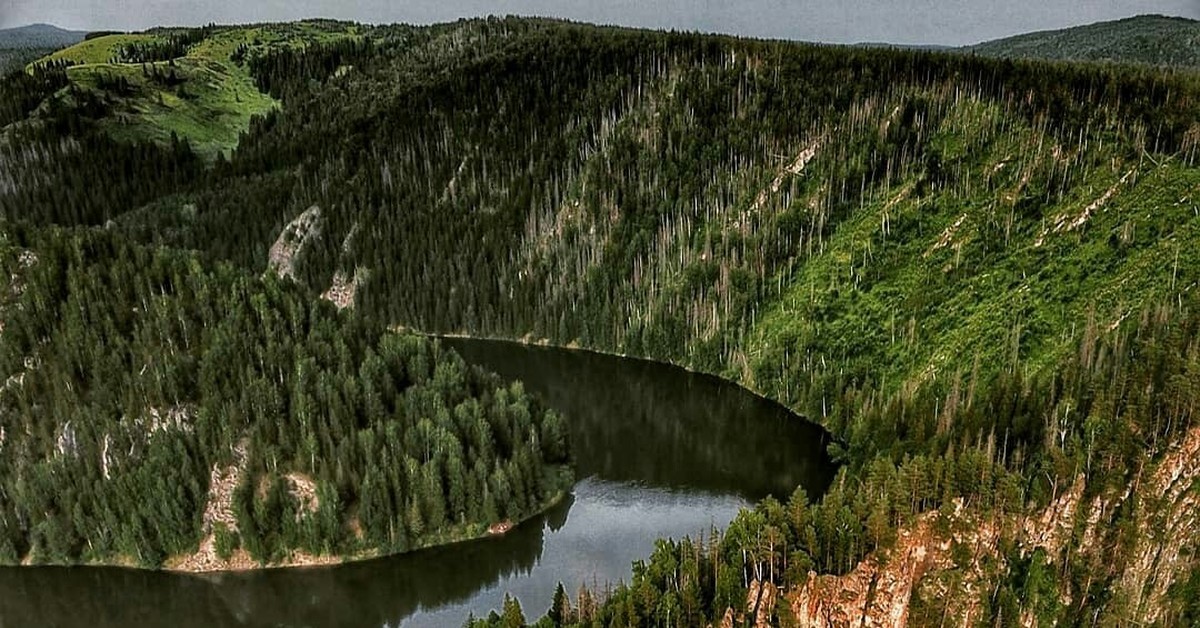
{"x":39,"y":36}
{"x":1148,"y":39}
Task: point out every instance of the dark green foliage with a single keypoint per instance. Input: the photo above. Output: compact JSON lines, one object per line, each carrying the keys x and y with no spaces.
{"x":21,"y":91}
{"x":38,"y":36}
{"x":1114,"y":392}
{"x":168,"y":46}
{"x":560,"y":608}
{"x":974,"y":272}
{"x":16,"y":59}
{"x":133,"y":372}
{"x":1149,"y":39}
{"x":1030,"y":586}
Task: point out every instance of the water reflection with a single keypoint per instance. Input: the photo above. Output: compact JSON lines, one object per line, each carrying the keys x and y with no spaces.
{"x":634,"y":420}
{"x":370,"y":593}
{"x":661,"y":452}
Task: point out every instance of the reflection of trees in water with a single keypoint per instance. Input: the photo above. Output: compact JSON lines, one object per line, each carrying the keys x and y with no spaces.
{"x":643,"y":421}
{"x":630,"y":421}
{"x":371,"y":593}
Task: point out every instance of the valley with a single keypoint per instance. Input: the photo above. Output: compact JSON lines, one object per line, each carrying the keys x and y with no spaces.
{"x":977,"y":275}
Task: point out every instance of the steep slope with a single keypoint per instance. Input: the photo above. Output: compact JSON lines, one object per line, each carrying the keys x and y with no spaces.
{"x":160,"y":413}
{"x":1149,"y":39}
{"x":973,"y":272}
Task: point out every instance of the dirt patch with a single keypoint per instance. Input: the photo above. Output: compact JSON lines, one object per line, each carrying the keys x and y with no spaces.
{"x":299,"y":558}
{"x":206,"y":559}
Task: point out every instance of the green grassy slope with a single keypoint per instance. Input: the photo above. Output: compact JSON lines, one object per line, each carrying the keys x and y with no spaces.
{"x":1148,"y":39}
{"x":100,"y":49}
{"x":922,"y":251}
{"x":204,"y":97}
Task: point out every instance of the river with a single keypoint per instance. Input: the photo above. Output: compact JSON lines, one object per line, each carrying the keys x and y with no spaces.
{"x":659,"y":452}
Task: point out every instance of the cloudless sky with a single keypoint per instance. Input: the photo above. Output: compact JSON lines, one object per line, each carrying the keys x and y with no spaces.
{"x":947,"y":22}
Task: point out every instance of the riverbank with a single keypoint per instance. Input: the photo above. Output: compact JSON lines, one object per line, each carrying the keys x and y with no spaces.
{"x":529,"y":341}
{"x":239,"y":560}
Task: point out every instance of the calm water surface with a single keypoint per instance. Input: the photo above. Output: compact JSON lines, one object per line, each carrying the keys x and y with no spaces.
{"x":660,"y":452}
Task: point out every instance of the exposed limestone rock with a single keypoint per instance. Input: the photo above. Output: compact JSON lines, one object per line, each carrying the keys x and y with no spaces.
{"x":223,"y":481}
{"x":1167,"y":521}
{"x":760,"y":602}
{"x":341,"y":292}
{"x":877,"y":591}
{"x":65,"y":443}
{"x":303,"y":490}
{"x":163,"y":419}
{"x":1051,"y":529}
{"x":292,"y":239}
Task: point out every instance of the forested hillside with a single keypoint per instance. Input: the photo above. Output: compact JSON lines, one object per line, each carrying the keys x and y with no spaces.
{"x":978,"y":274}
{"x":156,"y":411}
{"x":1149,"y":39}
{"x":38,"y":36}
{"x":20,"y":46}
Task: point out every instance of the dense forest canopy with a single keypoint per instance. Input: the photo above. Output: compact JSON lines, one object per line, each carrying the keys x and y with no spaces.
{"x":976,"y":273}
{"x":132,"y":372}
{"x":1148,"y":39}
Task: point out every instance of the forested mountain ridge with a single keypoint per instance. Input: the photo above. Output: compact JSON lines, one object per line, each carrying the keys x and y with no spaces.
{"x":976,"y":273}
{"x":191,"y":84}
{"x":1148,"y":39}
{"x":158,"y":412}
{"x":19,"y":46}
{"x":38,"y":36}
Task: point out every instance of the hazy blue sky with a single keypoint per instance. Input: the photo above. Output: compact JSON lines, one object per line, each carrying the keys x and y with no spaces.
{"x":900,"y":21}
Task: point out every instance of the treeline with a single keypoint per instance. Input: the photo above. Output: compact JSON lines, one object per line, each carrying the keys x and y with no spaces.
{"x":131,"y":373}
{"x":287,"y":73}
{"x":21,"y":92}
{"x":902,"y":245}
{"x":166,"y":47}
{"x":1096,"y":416}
